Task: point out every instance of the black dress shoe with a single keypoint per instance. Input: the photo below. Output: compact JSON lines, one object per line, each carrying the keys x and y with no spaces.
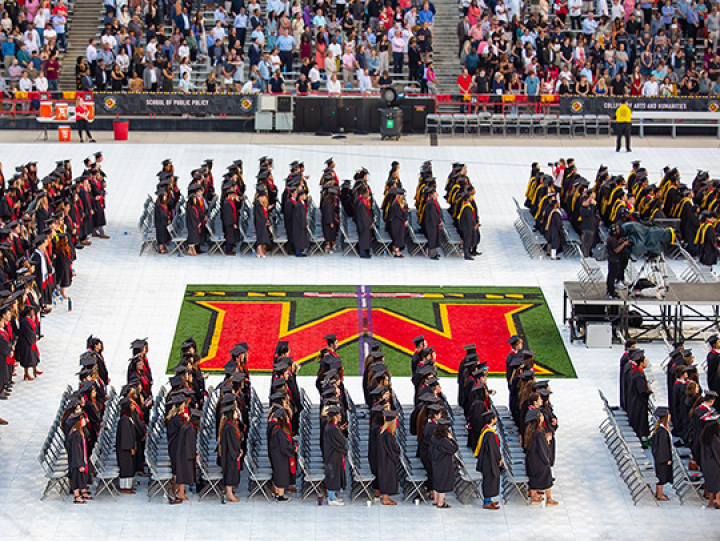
{"x":435,"y":257}
{"x":469,"y":258}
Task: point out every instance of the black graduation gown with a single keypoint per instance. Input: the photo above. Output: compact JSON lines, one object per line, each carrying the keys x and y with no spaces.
{"x":475,"y":421}
{"x":488,"y":463}
{"x":229,"y":216}
{"x":262,"y":225}
{"x":98,"y":204}
{"x":623,"y":363}
{"x":330,"y":218}
{"x":397,"y":218}
{"x":25,"y":347}
{"x":194,"y":222}
{"x":174,"y":425}
{"x":662,"y":454}
{"x":363,"y":219}
{"x":334,"y":457}
{"x":637,"y":400}
{"x":388,"y":457}
{"x":694,"y":429}
{"x":442,"y":451}
{"x":162,"y":220}
{"x":229,"y":452}
{"x":677,"y":412}
{"x":537,"y":462}
{"x":281,"y":451}
{"x":708,"y":251}
{"x":554,"y":231}
{"x":288,"y":210}
{"x":87,"y":223}
{"x":423,"y":449}
{"x":713,"y":378}
{"x":299,"y":227}
{"x":466,"y":226}
{"x":78,"y":458}
{"x":373,"y":436}
{"x":625,"y":377}
{"x":185,"y":454}
{"x":431,"y":223}
{"x":710,"y":465}
{"x":125,"y":444}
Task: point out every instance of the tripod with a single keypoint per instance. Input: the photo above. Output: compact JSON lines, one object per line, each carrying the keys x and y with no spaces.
{"x":654,"y":269}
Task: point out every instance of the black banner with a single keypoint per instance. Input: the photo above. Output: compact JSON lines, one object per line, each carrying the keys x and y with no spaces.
{"x":606,"y":106}
{"x":159,"y":103}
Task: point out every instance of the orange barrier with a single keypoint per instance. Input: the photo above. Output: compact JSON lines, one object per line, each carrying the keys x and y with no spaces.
{"x":64,"y":134}
{"x":91,"y":111}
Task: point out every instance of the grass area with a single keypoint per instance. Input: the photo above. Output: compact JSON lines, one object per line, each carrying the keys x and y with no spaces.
{"x":536,"y":323}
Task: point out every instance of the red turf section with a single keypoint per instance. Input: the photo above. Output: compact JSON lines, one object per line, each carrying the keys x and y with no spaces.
{"x":263,"y":324}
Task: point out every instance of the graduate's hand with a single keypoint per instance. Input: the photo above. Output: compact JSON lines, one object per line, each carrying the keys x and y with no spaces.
{"x":132,"y":452}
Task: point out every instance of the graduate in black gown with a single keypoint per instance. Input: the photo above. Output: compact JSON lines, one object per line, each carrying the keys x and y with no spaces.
{"x":78,"y":458}
{"x":397,"y":219}
{"x":442,"y":451}
{"x":638,"y":399}
{"x":364,"y":220}
{"x":432,"y":221}
{"x":538,"y":459}
{"x":262,"y":222}
{"x":388,"y":457}
{"x":624,"y":360}
{"x":555,"y":230}
{"x":335,"y":446}
{"x":662,"y":452}
{"x":713,"y":364}
{"x":330,"y":211}
{"x":196,"y":218}
{"x":230,"y":217}
{"x":432,"y":414}
{"x":299,"y":225}
{"x":710,"y":459}
{"x":282,"y":455}
{"x":26,"y":350}
{"x":163,"y":218}
{"x":489,"y":461}
{"x":186,"y":453}
{"x":230,"y":450}
{"x":468,"y":226}
{"x":126,"y":444}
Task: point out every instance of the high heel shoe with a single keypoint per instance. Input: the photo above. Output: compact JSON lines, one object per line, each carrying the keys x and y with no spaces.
{"x":28,"y":377}
{"x":37,"y":373}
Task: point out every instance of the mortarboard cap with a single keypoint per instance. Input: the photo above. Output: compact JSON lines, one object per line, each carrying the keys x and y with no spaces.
{"x":661,"y":412}
{"x":389,"y":415}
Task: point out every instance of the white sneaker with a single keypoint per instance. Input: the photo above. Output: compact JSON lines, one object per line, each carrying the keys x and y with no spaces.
{"x":620,"y":286}
{"x":336,"y":503}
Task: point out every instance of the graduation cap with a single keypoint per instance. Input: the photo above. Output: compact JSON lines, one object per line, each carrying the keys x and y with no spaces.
{"x":330,"y":337}
{"x":195,"y":414}
{"x":329,"y":160}
{"x":377,"y":354}
{"x":425,"y":370}
{"x":39,"y":240}
{"x":526,"y":375}
{"x":418,"y":339}
{"x":277,"y":383}
{"x":532,"y":415}
{"x":432,"y":382}
{"x":513,"y":340}
{"x":477,"y":387}
{"x":544,"y":392}
{"x":176,"y":380}
{"x":661,"y":412}
{"x":263,"y":175}
{"x":334,"y":410}
{"x":710,"y":394}
{"x":329,"y":391}
{"x":278,"y":396}
{"x":138,"y":343}
{"x":228,"y":410}
{"x":389,"y":415}
{"x":87,"y":359}
{"x":541,"y":384}
{"x":378,"y":391}
{"x":712,"y":339}
{"x":180,"y":369}
{"x":166,"y":161}
{"x":237,"y":377}
{"x":230,"y":366}
{"x":479,"y":372}
{"x":239,"y":349}
{"x":177,"y":398}
{"x":636,"y":354}
{"x":435,"y":408}
{"x":527,"y":354}
{"x":687,"y":352}
{"x":378,"y":406}
{"x":282,"y":363}
{"x":84,"y":372}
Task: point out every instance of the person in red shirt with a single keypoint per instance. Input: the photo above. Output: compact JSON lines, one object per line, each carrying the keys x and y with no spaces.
{"x":464,"y":82}
{"x":52,"y":67}
{"x":81,"y":117}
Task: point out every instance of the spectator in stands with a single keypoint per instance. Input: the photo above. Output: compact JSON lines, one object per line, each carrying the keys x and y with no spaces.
{"x":151,"y":78}
{"x":398,"y":52}
{"x":59,"y":21}
{"x":277,"y":83}
{"x":286,"y":46}
{"x":333,"y":85}
{"x":14,"y":73}
{"x":650,"y":88}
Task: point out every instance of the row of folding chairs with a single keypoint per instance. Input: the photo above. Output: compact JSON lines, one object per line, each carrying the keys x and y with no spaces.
{"x":156,"y":450}
{"x":513,"y":479}
{"x":207,"y":449}
{"x":518,"y":124}
{"x":536,"y":245}
{"x":635,"y":467}
{"x":450,"y":239}
{"x":309,"y":458}
{"x":104,"y":458}
{"x":53,"y":455}
{"x":361,"y":477}
{"x":412,"y":473}
{"x":257,"y":462}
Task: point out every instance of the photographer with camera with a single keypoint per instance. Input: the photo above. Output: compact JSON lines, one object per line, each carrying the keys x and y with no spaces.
{"x":618,"y":254}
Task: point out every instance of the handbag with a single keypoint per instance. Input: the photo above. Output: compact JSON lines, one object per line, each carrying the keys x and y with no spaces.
{"x":293,"y":465}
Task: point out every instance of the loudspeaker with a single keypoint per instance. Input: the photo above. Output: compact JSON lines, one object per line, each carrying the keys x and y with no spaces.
{"x":284,"y":104}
